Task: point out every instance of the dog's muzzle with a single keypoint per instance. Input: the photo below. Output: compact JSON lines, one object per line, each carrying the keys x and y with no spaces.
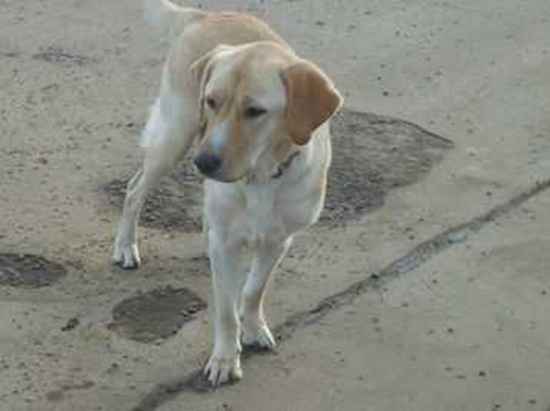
{"x":208,"y":164}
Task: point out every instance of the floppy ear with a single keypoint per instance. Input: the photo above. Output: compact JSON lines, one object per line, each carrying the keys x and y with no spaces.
{"x":311,"y":100}
{"x":200,"y":71}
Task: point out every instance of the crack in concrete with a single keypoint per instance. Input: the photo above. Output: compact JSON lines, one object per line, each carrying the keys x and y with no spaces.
{"x":194,"y":382}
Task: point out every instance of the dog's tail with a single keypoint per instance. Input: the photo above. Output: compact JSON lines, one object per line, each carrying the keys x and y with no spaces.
{"x":167,"y":16}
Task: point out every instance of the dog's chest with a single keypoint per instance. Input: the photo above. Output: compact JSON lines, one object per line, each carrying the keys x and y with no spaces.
{"x":259,"y":218}
{"x":253,"y":217}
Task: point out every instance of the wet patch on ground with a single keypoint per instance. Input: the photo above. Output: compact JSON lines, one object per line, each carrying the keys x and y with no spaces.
{"x":199,"y":266}
{"x":371,"y":155}
{"x":176,"y":204}
{"x":155,"y":315}
{"x":27,"y":270}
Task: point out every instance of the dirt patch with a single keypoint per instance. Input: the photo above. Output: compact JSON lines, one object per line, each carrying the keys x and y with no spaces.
{"x":176,"y":204}
{"x":27,"y":270}
{"x":10,"y":54}
{"x":57,"y":55}
{"x":155,"y":315}
{"x":59,"y":395}
{"x":371,"y":155}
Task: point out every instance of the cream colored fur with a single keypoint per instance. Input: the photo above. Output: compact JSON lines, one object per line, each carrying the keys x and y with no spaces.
{"x":257,"y":199}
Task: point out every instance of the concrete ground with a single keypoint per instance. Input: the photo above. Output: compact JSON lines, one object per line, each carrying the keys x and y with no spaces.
{"x":432,"y":298}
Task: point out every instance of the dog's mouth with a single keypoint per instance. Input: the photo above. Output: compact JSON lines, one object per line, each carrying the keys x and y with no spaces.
{"x":221,"y":177}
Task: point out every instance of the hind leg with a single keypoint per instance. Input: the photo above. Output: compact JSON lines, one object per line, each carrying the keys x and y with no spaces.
{"x":168,"y":135}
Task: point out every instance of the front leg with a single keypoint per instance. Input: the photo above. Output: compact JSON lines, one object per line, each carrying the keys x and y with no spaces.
{"x":255,"y":329}
{"x":167,"y":139}
{"x":224,"y":363}
{"x":125,"y":248}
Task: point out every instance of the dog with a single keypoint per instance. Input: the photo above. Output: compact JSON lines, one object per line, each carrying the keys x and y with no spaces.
{"x":260,"y":115}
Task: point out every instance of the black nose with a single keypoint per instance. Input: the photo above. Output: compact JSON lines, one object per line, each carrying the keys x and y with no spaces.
{"x":207,"y":163}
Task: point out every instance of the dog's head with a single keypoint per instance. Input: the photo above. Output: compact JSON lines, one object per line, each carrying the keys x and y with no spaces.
{"x":256,"y":101}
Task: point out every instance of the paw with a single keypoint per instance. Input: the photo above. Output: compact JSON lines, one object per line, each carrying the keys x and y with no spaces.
{"x":220,"y":370}
{"x":127,"y":256}
{"x":258,"y":336}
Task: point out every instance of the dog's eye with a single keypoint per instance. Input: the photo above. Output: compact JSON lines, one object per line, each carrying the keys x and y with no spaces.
{"x":253,"y":112}
{"x":211,"y":103}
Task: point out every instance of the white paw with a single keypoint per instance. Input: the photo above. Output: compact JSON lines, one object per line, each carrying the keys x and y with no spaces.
{"x":220,"y":370}
{"x":258,"y":336}
{"x":127,"y":256}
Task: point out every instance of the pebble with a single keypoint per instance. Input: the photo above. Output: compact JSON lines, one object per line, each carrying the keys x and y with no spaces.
{"x":458,"y":237}
{"x":71,"y":323}
{"x":472,"y":151}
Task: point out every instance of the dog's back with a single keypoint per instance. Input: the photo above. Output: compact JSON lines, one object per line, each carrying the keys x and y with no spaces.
{"x":165,"y":15}
{"x":231,"y":28}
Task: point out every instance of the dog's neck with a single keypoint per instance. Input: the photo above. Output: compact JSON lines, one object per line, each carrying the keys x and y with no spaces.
{"x":282,"y":167}
{"x":276,"y":172}
{"x":294,"y":163}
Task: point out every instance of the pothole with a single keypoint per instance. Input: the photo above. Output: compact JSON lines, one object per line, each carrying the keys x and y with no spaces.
{"x":372,"y":154}
{"x":155,"y":315}
{"x":27,"y":270}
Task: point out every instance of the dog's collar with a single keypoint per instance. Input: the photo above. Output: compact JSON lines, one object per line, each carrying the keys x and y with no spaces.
{"x":282,"y":167}
{"x":279,"y":171}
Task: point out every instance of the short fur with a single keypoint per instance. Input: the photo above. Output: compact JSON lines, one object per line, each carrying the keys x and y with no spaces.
{"x":262,"y":113}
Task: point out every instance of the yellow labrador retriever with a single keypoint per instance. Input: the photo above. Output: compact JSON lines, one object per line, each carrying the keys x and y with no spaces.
{"x":260,"y":114}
